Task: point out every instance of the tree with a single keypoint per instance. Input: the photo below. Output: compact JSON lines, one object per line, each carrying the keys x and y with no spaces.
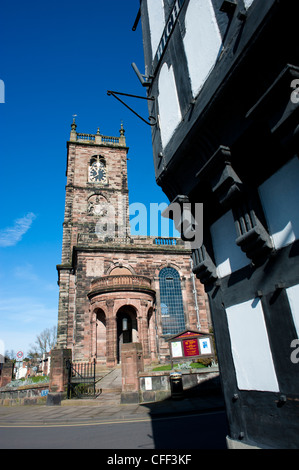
{"x":11,"y":355}
{"x":44,"y":342}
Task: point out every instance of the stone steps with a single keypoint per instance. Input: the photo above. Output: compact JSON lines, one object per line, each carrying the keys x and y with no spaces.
{"x":110,"y":382}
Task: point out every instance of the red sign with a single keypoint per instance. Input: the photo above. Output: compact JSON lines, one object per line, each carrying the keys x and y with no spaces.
{"x":191,"y":347}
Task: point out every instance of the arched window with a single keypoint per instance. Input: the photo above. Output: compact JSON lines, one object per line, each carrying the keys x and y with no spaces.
{"x":97,"y":170}
{"x":172,"y":311}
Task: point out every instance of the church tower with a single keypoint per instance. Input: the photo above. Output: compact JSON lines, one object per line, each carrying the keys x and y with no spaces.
{"x":96,"y":208}
{"x":96,"y":204}
{"x":115,"y":288}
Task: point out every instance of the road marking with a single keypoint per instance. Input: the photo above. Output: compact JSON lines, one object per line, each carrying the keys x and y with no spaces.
{"x":101,"y":423}
{"x":64,"y":425}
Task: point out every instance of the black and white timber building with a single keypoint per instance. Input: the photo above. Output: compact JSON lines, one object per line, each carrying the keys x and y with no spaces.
{"x":224,"y":75}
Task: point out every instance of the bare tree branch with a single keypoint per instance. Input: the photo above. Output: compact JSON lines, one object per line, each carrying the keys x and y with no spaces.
{"x":44,"y":342}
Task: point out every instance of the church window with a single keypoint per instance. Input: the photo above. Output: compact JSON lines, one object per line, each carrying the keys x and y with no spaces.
{"x":172,"y":311}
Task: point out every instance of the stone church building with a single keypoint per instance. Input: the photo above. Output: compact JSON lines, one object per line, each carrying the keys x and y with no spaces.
{"x":116,"y":288}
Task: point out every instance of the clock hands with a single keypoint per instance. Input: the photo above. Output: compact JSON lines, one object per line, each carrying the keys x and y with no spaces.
{"x":97,"y":171}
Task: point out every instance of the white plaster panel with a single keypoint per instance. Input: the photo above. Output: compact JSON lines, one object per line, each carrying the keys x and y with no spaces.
{"x":280,"y":199}
{"x":293,"y":296}
{"x":202,"y":42}
{"x":248,"y":3}
{"x":169,"y":109}
{"x":250,"y":347}
{"x":156,"y":22}
{"x":228,"y":256}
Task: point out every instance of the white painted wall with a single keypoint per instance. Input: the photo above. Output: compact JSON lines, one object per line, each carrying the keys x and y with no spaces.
{"x":156,"y":21}
{"x":202,"y":42}
{"x":280,"y":200}
{"x":250,"y":347}
{"x":169,"y":109}
{"x":248,"y":3}
{"x":21,"y":371}
{"x":228,"y":256}
{"x":293,"y":296}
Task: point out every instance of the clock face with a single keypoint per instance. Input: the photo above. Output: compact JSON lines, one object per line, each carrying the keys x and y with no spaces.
{"x":97,"y":172}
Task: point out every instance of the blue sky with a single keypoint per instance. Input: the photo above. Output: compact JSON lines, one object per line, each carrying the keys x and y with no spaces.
{"x":57,"y":59}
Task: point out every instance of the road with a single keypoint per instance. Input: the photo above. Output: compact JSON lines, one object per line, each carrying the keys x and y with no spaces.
{"x":196,"y":431}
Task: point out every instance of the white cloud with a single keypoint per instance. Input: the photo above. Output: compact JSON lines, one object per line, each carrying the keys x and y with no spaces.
{"x":10,"y":236}
{"x":26,"y":310}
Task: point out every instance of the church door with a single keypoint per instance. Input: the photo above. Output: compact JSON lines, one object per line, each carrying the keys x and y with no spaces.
{"x":126,"y":326}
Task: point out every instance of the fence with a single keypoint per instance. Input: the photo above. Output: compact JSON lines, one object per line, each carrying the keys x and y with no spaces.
{"x":81,"y":379}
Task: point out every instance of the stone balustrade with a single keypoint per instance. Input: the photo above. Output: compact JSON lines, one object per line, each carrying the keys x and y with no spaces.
{"x":120,"y":282}
{"x":92,"y":238}
{"x":98,"y":139}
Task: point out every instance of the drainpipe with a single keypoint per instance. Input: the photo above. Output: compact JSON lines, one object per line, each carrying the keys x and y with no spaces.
{"x":156,"y":329}
{"x":195,"y":294}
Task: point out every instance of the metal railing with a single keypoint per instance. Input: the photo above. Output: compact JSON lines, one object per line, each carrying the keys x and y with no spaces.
{"x":81,"y":379}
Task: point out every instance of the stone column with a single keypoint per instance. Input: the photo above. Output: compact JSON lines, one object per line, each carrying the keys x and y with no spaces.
{"x":144,"y":331}
{"x":58,"y":371}
{"x":111,"y":335}
{"x":131,"y":364}
{"x":152,"y":334}
{"x":93,"y":335}
{"x":63,"y":305}
{"x":6,"y":373}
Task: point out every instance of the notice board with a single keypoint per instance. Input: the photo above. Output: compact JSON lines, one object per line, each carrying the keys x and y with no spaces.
{"x":191,"y":345}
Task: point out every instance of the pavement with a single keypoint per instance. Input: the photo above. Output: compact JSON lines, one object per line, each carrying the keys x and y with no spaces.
{"x":74,"y":412}
{"x":106,"y":407}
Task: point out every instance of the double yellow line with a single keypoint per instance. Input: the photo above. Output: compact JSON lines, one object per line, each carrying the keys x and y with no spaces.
{"x":63,"y":425}
{"x":102,"y":423}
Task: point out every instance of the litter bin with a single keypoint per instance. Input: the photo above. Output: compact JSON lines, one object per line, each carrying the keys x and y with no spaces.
{"x":176,"y":385}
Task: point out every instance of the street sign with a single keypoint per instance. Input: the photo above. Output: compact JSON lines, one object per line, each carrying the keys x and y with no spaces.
{"x":20,"y":355}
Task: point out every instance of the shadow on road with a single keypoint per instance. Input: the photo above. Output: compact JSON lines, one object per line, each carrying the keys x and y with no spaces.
{"x":198,"y":420}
